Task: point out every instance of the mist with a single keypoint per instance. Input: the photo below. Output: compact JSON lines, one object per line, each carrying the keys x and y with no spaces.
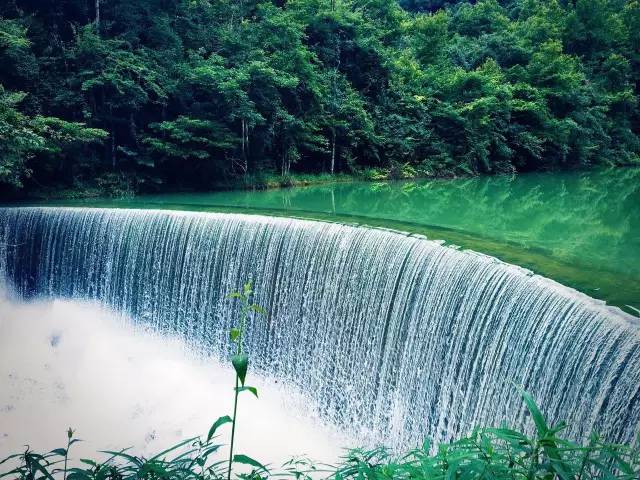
{"x":70,"y":364}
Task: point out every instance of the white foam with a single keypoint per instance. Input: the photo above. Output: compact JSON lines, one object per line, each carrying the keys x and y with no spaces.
{"x":69,"y":364}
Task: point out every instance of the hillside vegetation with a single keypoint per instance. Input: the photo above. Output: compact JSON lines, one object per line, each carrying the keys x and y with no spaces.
{"x":127,"y":96}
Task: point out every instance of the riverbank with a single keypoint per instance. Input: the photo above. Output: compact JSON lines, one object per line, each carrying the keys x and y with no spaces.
{"x":121,"y":186}
{"x":118,"y":186}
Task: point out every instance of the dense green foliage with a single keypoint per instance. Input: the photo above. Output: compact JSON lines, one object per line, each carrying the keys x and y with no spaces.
{"x":163,"y":94}
{"x":486,"y":454}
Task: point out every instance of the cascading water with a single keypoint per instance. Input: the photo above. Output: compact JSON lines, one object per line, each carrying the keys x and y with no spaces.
{"x":396,"y":337}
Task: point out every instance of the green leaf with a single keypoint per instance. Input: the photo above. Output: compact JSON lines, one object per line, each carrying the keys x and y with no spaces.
{"x":217,"y":424}
{"x":240,"y":364}
{"x":121,"y":454}
{"x":174,"y":447}
{"x":77,"y":474}
{"x":547,"y":438}
{"x":253,"y":390}
{"x":244,"y":459}
{"x":234,"y":334}
{"x":536,"y":414}
{"x":210,"y":450}
{"x":258,"y":309}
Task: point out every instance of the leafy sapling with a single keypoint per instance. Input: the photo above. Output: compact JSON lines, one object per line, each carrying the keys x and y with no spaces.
{"x":240,"y":362}
{"x":70,"y":441}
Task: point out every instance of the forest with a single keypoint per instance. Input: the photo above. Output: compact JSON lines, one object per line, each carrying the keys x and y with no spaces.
{"x":119,"y":97}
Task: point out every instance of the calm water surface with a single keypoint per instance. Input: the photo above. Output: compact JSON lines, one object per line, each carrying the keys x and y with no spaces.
{"x":581,"y":229}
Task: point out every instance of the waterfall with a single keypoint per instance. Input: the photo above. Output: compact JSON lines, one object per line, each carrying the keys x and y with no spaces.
{"x":396,"y":337}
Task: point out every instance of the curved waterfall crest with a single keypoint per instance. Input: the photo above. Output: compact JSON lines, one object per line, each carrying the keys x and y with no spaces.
{"x":395,"y":336}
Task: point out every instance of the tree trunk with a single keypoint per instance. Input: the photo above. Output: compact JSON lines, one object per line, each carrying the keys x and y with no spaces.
{"x":333,"y":150}
{"x":113,"y":150}
{"x":98,"y":16}
{"x":282,"y":164}
{"x":245,"y":146}
{"x":283,"y":168}
{"x":243,"y":137}
{"x":132,"y":129}
{"x":246,"y":142}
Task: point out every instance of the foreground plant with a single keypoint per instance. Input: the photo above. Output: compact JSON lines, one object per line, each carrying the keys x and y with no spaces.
{"x":240,"y":362}
{"x":502,"y":454}
{"x":487,"y":453}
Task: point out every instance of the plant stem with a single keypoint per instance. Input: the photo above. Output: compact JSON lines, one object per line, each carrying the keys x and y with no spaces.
{"x":235,"y":397}
{"x":66,"y":456}
{"x":66,"y":453}
{"x":233,"y":428}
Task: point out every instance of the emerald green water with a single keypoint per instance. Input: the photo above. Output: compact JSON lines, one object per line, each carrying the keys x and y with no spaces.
{"x":581,"y":229}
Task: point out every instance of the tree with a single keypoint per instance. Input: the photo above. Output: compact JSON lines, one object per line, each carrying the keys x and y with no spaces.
{"x":22,"y":137}
{"x":194,"y":93}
